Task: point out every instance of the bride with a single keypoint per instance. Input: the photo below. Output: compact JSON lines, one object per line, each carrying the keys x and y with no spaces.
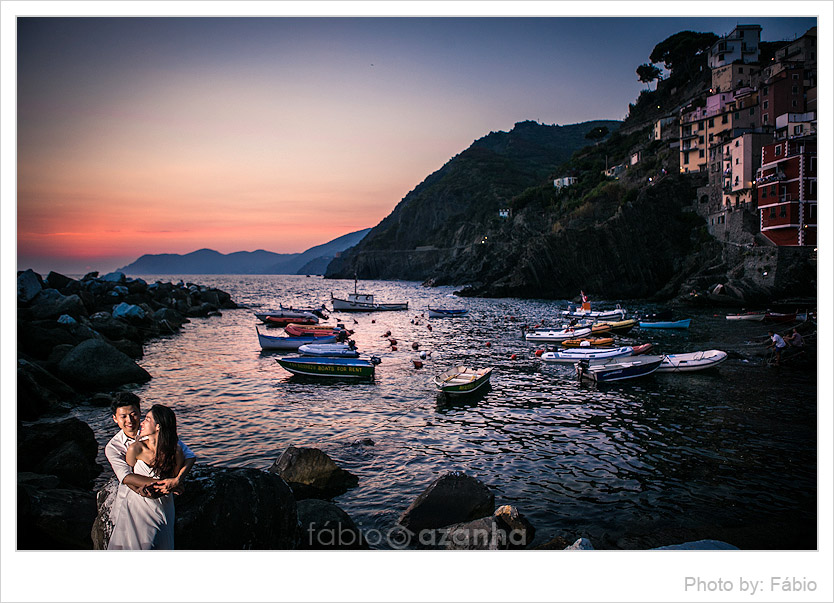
{"x":148,"y":523}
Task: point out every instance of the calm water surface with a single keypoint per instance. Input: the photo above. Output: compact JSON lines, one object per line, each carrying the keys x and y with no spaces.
{"x":728,"y":454}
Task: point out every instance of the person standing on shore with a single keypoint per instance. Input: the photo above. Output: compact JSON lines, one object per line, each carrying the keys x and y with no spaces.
{"x":147,"y":523}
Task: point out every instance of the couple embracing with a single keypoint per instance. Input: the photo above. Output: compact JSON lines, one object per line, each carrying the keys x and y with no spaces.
{"x":150,"y":462}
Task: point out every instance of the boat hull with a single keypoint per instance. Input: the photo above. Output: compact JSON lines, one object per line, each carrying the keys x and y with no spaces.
{"x":554,"y":336}
{"x":573,"y":356}
{"x":462,"y":380}
{"x":618,"y":369}
{"x":285,"y":317}
{"x":619,"y":327}
{"x":343,"y":305}
{"x":591,"y":342}
{"x":268,"y":342}
{"x":332,"y":350}
{"x":754,"y":316}
{"x":447,"y":313}
{"x":666,"y":324}
{"x":314,"y":366}
{"x":694,"y":361}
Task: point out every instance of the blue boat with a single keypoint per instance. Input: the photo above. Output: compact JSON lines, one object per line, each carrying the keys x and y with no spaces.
{"x":665,"y":324}
{"x":269,"y":342}
{"x":323,"y":366}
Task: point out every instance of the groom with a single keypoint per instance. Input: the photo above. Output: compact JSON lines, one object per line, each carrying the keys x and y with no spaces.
{"x":126,"y":415}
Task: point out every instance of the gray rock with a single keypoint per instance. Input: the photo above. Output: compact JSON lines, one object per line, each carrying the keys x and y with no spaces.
{"x":66,"y":449}
{"x":52,"y":515}
{"x":50,"y":303}
{"x":583,"y":544}
{"x":699,"y":545}
{"x":56,"y":280}
{"x":450,"y":499}
{"x":520,"y":532}
{"x":312,"y":474}
{"x":95,"y":364}
{"x":324,"y":526}
{"x":114,"y":277}
{"x":128,"y":312}
{"x":482,"y":534}
{"x":28,"y":286}
{"x":38,"y":391}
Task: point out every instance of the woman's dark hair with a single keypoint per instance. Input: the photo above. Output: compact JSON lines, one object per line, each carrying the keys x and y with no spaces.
{"x":166,"y":442}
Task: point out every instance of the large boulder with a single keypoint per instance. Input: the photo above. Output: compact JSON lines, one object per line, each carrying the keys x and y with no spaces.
{"x":66,"y":449}
{"x":56,"y":280}
{"x":29,"y":284}
{"x":37,"y":339}
{"x":450,"y":499}
{"x":95,"y":364}
{"x":51,"y":303}
{"x":113,"y":328}
{"x":324,"y":526}
{"x":520,"y":532}
{"x":312,"y":474}
{"x":221,"y":509}
{"x":38,"y":391}
{"x":482,"y":534}
{"x":129,"y":312}
{"x":52,"y":515}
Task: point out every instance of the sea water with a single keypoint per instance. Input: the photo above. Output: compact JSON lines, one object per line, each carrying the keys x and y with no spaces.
{"x":727,"y":454}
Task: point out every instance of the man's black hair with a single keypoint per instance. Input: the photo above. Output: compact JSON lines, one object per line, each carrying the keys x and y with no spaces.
{"x":125,"y":399}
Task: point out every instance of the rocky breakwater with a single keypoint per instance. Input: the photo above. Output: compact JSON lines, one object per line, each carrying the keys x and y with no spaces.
{"x":77,"y":342}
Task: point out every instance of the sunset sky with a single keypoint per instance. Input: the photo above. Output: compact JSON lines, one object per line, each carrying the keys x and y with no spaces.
{"x":167,"y":135}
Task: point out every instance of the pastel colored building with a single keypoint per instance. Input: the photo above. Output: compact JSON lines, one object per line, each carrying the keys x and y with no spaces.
{"x":740,"y":45}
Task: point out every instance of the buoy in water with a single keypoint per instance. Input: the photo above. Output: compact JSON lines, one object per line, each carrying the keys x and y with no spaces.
{"x":415,"y":346}
{"x":488,"y":344}
{"x":417,"y":363}
{"x":423,"y":355}
{"x":512,"y":357}
{"x":393,"y":341}
{"x":428,"y":327}
{"x":393,"y":348}
{"x":539,"y":352}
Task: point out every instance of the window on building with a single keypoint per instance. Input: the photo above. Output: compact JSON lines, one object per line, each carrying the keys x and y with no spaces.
{"x":700,"y":153}
{"x":797,"y":130}
{"x":711,"y":136}
{"x":764,"y":119}
{"x":795,"y":76}
{"x":764,"y":90}
{"x":812,"y":165}
{"x":793,"y":103}
{"x":700,"y":125}
{"x":737,"y":143}
{"x":752,"y":110}
{"x":812,"y":189}
{"x":773,"y":190}
{"x":711,"y":122}
{"x":764,"y":192}
{"x":735,"y":115}
{"x":741,"y":70}
{"x":686,"y":156}
{"x":783,"y":211}
{"x":725,"y":118}
{"x":700,"y":140}
{"x":777,"y":150}
{"x":772,"y":212}
{"x":765,"y":104}
{"x":812,"y":213}
{"x":794,"y":89}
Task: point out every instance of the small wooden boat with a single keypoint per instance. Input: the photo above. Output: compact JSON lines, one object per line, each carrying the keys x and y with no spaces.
{"x":620,"y":327}
{"x":363,"y":302}
{"x":643,"y":348}
{"x":574,"y":355}
{"x":334,"y":350}
{"x":693,"y":361}
{"x":462,"y":380}
{"x":447,"y":312}
{"x":324,"y":366}
{"x":542,"y":336}
{"x":299,"y":330}
{"x":754,"y":316}
{"x":617,"y":369}
{"x":583,"y":342}
{"x":276,"y":319}
{"x":666,"y":324}
{"x":269,"y":342}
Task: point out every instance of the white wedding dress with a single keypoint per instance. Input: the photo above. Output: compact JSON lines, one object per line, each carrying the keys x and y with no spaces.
{"x":143,"y":523}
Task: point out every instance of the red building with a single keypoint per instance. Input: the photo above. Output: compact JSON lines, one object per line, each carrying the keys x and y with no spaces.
{"x":783,"y":93}
{"x":787,"y":192}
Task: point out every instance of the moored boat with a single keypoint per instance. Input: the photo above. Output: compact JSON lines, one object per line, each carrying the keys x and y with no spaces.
{"x":320,"y":311}
{"x":326,"y":366}
{"x":665,"y":324}
{"x":584,"y":342}
{"x":334,"y":350}
{"x":269,"y":342}
{"x":284,"y":317}
{"x":693,"y":361}
{"x":363,"y":302}
{"x":553,"y":335}
{"x":462,"y":380}
{"x":573,"y":355}
{"x":779,"y":317}
{"x":619,"y":327}
{"x":447,"y":312}
{"x":617,"y":369}
{"x":754,"y":316}
{"x":299,"y":330}
{"x":616,"y":314}
{"x":643,"y":348}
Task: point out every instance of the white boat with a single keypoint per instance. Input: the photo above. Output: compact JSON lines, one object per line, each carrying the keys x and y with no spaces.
{"x":363,"y":302}
{"x":573,"y":355}
{"x":694,"y":361}
{"x":755,"y":316}
{"x":332,"y":350}
{"x":616,"y":314}
{"x":447,"y":312}
{"x":617,"y":369}
{"x":268,"y":342}
{"x":284,"y":317}
{"x":553,"y":335}
{"x":462,"y":380}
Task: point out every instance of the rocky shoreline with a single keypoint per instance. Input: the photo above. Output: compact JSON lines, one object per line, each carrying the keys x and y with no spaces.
{"x":78,"y":342}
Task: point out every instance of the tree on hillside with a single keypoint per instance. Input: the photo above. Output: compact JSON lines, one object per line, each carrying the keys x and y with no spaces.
{"x":683,"y":52}
{"x":597,"y":134}
{"x":647,"y":73}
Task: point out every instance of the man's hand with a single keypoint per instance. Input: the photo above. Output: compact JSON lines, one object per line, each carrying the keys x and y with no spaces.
{"x":169,"y":485}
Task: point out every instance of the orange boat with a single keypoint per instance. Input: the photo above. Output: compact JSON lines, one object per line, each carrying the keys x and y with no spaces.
{"x":302,"y":330}
{"x":593,"y":341}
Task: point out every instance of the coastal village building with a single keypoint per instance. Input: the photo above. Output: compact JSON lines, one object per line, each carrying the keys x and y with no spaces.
{"x":564,"y":181}
{"x":787,"y":192}
{"x":742,"y":158}
{"x":740,"y":45}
